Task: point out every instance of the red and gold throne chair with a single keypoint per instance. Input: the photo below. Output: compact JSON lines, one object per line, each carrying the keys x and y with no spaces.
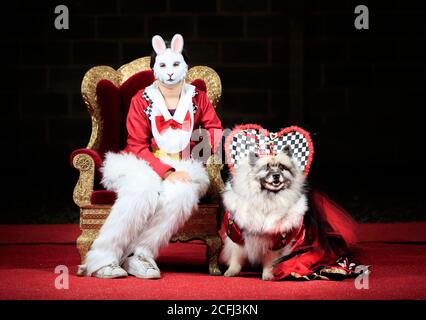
{"x":107,"y":94}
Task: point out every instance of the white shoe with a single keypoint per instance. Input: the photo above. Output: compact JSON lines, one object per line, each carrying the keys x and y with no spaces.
{"x":110,"y":271}
{"x":142,"y":267}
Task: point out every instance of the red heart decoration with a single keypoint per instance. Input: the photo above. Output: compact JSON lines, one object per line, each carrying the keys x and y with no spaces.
{"x":252,"y":137}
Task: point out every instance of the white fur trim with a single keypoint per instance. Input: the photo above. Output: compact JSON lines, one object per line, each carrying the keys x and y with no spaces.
{"x":196,"y":170}
{"x":177,"y":202}
{"x":124,"y":173}
{"x":147,"y":212}
{"x":138,"y":188}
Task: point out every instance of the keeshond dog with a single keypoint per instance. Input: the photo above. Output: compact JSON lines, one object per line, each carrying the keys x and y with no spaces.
{"x":266,"y":197}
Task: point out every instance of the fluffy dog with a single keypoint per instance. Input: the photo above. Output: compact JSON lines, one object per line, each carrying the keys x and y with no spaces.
{"x":266,"y":198}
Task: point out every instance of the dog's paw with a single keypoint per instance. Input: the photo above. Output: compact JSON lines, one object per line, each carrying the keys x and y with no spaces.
{"x":231,"y":272}
{"x":267,"y":276}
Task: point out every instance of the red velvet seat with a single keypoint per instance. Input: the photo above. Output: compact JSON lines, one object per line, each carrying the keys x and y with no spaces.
{"x":103,"y":197}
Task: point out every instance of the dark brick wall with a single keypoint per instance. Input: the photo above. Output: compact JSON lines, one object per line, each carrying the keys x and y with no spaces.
{"x":363,"y":95}
{"x":281,"y":63}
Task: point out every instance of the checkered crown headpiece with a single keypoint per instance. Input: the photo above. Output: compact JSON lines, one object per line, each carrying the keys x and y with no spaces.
{"x":252,"y":138}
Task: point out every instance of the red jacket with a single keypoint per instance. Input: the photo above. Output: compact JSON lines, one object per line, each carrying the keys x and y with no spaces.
{"x":141,"y":142}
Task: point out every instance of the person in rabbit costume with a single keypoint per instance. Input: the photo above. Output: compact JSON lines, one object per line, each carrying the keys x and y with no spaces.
{"x":157,"y":183}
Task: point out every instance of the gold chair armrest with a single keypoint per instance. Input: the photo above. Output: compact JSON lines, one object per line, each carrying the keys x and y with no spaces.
{"x":84,"y":187}
{"x":214,"y":167}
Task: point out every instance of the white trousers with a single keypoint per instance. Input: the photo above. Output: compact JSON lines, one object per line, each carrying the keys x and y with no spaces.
{"x":148,"y":210}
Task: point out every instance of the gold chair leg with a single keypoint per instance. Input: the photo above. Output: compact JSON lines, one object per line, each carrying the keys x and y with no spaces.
{"x":84,"y":241}
{"x":214,"y":245}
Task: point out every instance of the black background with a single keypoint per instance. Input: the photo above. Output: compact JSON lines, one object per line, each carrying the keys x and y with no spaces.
{"x":360,"y":93}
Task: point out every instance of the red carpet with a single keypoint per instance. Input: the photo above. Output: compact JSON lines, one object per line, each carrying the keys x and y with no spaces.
{"x":29,"y":254}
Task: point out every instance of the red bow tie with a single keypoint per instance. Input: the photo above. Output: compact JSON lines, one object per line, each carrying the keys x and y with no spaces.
{"x":163,"y":125}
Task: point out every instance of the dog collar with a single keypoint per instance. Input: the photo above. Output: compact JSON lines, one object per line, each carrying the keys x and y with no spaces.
{"x":234,"y":232}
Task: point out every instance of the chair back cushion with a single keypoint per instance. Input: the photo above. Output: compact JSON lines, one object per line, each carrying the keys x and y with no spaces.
{"x":109,"y":101}
{"x":128,"y":89}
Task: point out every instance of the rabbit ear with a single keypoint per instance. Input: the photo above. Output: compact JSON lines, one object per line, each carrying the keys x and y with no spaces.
{"x":177,"y":43}
{"x":158,"y":44}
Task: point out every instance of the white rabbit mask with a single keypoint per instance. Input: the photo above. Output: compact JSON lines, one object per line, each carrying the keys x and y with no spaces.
{"x":170,"y":67}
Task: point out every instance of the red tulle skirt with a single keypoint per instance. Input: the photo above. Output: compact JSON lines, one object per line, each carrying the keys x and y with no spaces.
{"x":323,"y":250}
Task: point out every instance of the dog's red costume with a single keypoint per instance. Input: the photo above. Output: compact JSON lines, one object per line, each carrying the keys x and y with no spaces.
{"x":320,"y":245}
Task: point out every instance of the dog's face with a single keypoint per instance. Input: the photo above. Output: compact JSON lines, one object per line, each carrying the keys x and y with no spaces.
{"x":274,"y":173}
